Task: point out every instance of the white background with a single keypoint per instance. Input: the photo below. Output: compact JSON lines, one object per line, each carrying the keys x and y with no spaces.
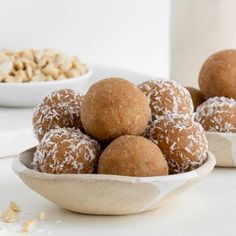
{"x":125,"y":33}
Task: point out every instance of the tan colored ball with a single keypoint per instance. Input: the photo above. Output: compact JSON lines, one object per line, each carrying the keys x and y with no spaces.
{"x":196,"y":96}
{"x":113,"y":107}
{"x":66,"y":151}
{"x":217,"y":114}
{"x":181,"y":140}
{"x":58,"y":109}
{"x":218,"y":75}
{"x":131,"y":155}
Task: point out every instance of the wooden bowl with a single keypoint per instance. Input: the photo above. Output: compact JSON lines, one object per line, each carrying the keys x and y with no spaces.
{"x":107,"y":194}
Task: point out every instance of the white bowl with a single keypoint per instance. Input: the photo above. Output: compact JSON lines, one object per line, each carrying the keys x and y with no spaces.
{"x":223,"y":146}
{"x":107,"y":194}
{"x":30,"y":94}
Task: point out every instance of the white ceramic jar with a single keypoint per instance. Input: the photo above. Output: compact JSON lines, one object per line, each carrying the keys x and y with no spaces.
{"x":198,"y":29}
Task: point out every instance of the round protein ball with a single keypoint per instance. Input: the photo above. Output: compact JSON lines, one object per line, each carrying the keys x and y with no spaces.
{"x":131,"y":155}
{"x":181,"y":140}
{"x":196,"y":96}
{"x":113,"y":107}
{"x":167,"y":97}
{"x":66,"y":151}
{"x":217,"y":114}
{"x":218,"y":75}
{"x":58,"y":109}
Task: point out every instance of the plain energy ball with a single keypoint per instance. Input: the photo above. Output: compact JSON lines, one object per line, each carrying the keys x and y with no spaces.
{"x":181,"y":140}
{"x":167,"y":97}
{"x":131,"y":155}
{"x":217,"y":114}
{"x":113,"y":107}
{"x":196,"y":96}
{"x":66,"y":151}
{"x":58,"y":109}
{"x":218,"y":75}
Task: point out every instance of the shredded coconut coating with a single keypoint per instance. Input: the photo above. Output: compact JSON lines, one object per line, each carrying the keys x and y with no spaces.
{"x":66,"y":151}
{"x":167,"y":97}
{"x":217,"y":114}
{"x":58,"y":109}
{"x":181,"y":140}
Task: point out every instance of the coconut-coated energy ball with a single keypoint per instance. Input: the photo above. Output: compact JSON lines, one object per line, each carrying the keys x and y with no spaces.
{"x":217,"y":76}
{"x":113,"y":107}
{"x":181,"y":140}
{"x":196,"y":96}
{"x":66,"y":151}
{"x":58,"y":109}
{"x":217,"y":114}
{"x":167,"y":97}
{"x":132,"y":156}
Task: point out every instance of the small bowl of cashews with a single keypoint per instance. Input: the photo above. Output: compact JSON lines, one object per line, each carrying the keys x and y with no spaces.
{"x":26,"y":76}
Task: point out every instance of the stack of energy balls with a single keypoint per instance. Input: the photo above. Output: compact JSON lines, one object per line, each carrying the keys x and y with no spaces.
{"x":215,"y":102}
{"x":118,"y":128}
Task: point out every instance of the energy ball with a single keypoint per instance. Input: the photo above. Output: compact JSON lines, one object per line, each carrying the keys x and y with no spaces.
{"x":217,"y":114}
{"x":167,"y":97}
{"x":132,"y":156}
{"x":113,"y":107}
{"x":218,"y":75}
{"x":58,"y":109}
{"x":181,"y":140}
{"x":66,"y":151}
{"x":196,"y":96}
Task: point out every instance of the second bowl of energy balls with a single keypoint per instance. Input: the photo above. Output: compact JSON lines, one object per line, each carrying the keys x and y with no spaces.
{"x":215,"y":105}
{"x":118,"y":149}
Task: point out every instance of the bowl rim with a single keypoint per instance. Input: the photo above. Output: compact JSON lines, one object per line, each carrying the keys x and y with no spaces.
{"x":20,"y":169}
{"x":46,"y":83}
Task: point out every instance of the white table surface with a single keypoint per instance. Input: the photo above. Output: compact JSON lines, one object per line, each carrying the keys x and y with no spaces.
{"x":209,"y":208}
{"x":15,"y":130}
